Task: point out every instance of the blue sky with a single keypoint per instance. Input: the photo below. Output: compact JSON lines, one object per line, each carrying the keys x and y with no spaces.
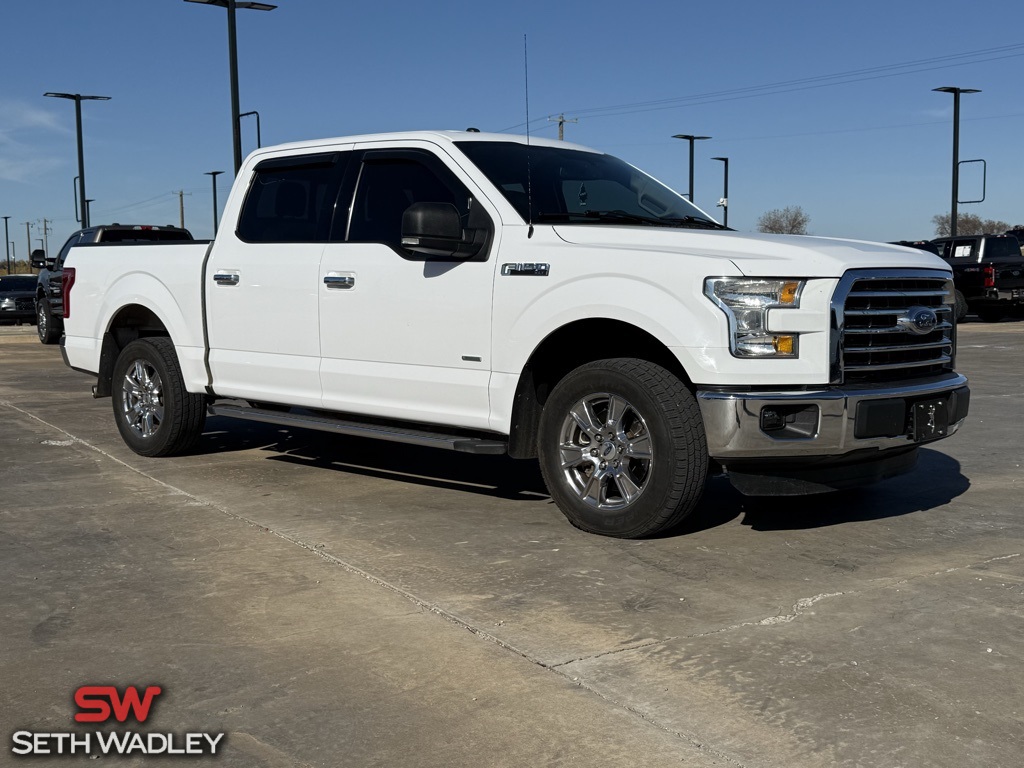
{"x":820,"y":104}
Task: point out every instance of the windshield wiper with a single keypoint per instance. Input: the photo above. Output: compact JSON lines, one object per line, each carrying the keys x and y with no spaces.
{"x":695,"y":221}
{"x":599,"y":217}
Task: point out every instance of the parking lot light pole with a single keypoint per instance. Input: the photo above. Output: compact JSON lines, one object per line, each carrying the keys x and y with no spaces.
{"x":690,"y":138}
{"x":725,"y":190}
{"x":259,"y":138}
{"x":956,"y":150}
{"x":231,"y":5}
{"x":213,"y":177}
{"x":78,"y":99}
{"x":7,"y":244}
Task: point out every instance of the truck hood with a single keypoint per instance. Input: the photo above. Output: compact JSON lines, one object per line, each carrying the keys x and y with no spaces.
{"x":755,"y":254}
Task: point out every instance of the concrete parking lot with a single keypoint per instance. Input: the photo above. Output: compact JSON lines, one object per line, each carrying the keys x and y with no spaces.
{"x":327,"y":601}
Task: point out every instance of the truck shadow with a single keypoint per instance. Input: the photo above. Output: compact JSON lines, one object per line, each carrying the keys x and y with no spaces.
{"x":934,"y":482}
{"x":497,"y":476}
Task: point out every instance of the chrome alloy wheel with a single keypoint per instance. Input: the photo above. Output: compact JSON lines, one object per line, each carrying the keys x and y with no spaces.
{"x":142,"y":398}
{"x":606,"y":451}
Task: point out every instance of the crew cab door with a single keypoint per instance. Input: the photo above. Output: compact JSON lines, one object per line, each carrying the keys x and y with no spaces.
{"x":262,"y":281}
{"x":404,"y":335}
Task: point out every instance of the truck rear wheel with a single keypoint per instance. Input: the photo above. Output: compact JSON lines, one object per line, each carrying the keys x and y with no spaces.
{"x":155,"y":414}
{"x":622,"y":448}
{"x":46,"y":326}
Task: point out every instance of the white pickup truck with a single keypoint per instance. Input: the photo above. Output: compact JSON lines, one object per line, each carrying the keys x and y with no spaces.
{"x":491,"y":294}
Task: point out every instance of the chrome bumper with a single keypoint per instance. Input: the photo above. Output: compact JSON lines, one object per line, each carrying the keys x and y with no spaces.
{"x":733,"y":420}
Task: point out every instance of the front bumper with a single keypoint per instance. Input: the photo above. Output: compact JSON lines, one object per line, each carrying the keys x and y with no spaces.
{"x":832,"y":421}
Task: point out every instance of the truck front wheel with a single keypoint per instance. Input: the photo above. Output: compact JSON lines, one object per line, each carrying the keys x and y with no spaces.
{"x":960,"y":307}
{"x":155,"y":414}
{"x":622,"y":448}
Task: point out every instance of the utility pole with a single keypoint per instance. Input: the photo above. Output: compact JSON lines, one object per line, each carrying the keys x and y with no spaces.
{"x":181,"y":206}
{"x":28,"y":238}
{"x":562,"y":120}
{"x":46,"y":235}
{"x":7,"y":244}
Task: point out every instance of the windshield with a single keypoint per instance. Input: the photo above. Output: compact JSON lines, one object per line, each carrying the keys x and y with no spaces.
{"x":567,"y":185}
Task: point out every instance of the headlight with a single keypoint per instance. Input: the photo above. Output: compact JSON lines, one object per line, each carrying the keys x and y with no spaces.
{"x":746,"y":301}
{"x":7,"y":304}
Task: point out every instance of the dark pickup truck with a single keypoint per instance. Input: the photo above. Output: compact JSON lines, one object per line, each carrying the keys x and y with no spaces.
{"x":52,"y":285}
{"x":988,"y":272}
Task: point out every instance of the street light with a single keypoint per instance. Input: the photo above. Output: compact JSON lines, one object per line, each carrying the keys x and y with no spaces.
{"x":259,"y":139}
{"x":7,"y":244}
{"x":725,"y":192}
{"x":213,"y":177}
{"x":956,"y":149}
{"x":78,"y":99}
{"x":231,"y":5}
{"x":690,"y":138}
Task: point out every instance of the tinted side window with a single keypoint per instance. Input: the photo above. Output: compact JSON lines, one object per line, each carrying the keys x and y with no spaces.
{"x":962,"y":250}
{"x":1002,"y":249}
{"x":389,"y":185}
{"x":291,"y":200}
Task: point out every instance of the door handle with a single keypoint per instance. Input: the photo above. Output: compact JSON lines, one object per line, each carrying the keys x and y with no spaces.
{"x":225,"y":279}
{"x":340,"y":281}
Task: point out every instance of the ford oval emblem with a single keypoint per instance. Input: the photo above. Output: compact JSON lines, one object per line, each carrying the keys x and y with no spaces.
{"x":918,"y":320}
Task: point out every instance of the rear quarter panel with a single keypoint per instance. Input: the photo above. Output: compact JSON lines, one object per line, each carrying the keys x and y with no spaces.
{"x":165,"y":279}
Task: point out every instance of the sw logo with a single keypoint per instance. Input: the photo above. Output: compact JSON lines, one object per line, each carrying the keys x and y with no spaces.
{"x":103,"y":704}
{"x":98,"y":702}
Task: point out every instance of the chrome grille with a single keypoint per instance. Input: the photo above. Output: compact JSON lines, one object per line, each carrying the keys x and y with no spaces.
{"x":879,"y":341}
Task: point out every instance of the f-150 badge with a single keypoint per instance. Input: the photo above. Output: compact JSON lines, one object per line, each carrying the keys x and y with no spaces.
{"x":539,"y":270}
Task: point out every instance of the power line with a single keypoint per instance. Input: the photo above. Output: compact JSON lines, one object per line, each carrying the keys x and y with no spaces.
{"x":806,"y":83}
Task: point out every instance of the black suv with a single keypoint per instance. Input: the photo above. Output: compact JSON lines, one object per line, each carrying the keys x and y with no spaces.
{"x":50,"y":286}
{"x":988,"y":271}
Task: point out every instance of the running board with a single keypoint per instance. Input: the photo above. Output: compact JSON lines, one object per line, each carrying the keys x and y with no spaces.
{"x":361,"y":429}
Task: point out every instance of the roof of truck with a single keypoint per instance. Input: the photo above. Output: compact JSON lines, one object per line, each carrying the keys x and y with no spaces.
{"x":436,"y":137}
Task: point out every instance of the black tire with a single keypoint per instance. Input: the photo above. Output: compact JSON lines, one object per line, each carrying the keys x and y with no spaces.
{"x":990,"y":315}
{"x":960,"y":308}
{"x":47,"y":326}
{"x":155,"y":414}
{"x":621,"y":427}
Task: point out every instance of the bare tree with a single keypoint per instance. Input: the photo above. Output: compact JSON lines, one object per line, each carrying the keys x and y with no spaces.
{"x":790,"y":220}
{"x":968,"y":224}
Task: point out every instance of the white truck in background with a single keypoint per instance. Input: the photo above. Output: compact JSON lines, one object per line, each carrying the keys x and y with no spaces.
{"x":489,"y":293}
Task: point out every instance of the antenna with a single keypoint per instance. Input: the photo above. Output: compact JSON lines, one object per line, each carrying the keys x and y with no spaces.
{"x":529,"y":179}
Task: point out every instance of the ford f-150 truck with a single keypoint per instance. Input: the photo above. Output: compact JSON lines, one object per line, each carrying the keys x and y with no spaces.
{"x":487,"y":293}
{"x":988,"y":274}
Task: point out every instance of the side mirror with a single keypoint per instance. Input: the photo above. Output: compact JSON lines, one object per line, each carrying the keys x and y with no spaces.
{"x":435,"y":229}
{"x":39,"y":260}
